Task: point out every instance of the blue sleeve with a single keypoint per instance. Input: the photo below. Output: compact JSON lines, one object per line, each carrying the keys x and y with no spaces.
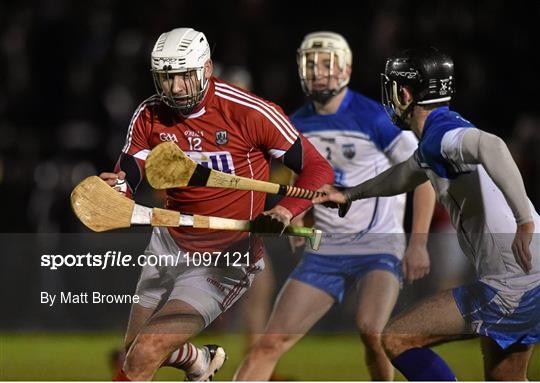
{"x":385,"y":132}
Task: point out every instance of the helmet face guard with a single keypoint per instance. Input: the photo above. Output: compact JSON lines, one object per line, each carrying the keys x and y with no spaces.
{"x":396,"y":110}
{"x":194,"y":86}
{"x":323,"y":60}
{"x":318,"y":66}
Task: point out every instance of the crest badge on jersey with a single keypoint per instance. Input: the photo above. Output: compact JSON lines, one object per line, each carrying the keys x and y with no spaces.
{"x":221,"y":137}
{"x":349,"y":151}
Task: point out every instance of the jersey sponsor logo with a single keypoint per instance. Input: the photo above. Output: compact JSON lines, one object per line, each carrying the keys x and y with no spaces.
{"x":349,"y":151}
{"x":221,"y":137}
{"x":191,"y":133}
{"x":220,"y":161}
{"x":168,"y":137}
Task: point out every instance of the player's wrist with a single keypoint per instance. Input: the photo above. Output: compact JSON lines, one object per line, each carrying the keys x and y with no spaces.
{"x":418,"y":239}
{"x":284,"y":212}
{"x":352,"y":193}
{"x":526,"y":227}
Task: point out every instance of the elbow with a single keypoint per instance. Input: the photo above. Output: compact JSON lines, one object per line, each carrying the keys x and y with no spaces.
{"x":490,"y":144}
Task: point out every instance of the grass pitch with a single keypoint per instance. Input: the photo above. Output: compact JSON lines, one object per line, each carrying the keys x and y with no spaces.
{"x":317,"y":357}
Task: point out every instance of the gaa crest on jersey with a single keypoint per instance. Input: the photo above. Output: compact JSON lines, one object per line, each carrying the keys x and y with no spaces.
{"x":221,"y":137}
{"x":349,"y":151}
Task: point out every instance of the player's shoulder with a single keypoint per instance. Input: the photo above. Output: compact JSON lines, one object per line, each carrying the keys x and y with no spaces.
{"x":442,"y":121}
{"x":367,"y":109}
{"x":149,"y":103}
{"x":443,"y":118}
{"x":305,"y":111}
{"x":148,"y":107}
{"x":243,"y":103}
{"x":441,"y":126}
{"x":361,"y":103}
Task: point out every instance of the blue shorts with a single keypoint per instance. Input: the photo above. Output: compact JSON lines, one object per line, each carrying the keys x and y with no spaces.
{"x":505,"y":317}
{"x":334,"y":274}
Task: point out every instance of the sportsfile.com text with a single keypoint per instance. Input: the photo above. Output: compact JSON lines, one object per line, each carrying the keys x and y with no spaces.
{"x":114,"y":258}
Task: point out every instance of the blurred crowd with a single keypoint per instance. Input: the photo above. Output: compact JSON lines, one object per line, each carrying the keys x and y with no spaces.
{"x":72,"y":73}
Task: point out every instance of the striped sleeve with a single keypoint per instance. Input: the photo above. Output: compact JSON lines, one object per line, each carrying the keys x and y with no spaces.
{"x":267,"y":126}
{"x":139,"y":129}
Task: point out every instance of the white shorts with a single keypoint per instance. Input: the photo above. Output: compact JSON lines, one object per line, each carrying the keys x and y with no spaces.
{"x":211,"y":290}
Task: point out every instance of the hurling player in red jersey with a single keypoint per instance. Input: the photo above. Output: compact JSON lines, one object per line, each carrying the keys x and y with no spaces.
{"x":224,"y":128}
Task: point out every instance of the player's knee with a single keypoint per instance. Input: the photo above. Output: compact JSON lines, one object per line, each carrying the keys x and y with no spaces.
{"x":369,"y":332}
{"x":394,"y":344}
{"x":273,"y":344}
{"x":372,"y":341}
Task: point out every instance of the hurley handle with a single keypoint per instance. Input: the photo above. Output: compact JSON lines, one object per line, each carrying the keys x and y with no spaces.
{"x":296,"y":192}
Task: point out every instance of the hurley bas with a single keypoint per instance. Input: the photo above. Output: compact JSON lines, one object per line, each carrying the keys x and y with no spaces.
{"x":94,"y":297}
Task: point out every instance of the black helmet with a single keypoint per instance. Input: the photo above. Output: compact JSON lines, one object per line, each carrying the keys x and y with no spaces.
{"x":427,"y":72}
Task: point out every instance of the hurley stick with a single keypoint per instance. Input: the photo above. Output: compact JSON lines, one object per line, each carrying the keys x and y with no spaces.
{"x":101,"y":208}
{"x":167,"y":166}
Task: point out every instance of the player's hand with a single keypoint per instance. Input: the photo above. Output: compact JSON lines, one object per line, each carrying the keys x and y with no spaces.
{"x":274,"y":220}
{"x":333,"y":198}
{"x":116,"y":180}
{"x":520,"y":246}
{"x":416,"y":263}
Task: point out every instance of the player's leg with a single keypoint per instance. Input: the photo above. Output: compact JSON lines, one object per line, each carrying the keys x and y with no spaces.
{"x":298,"y":307}
{"x":505,"y":364}
{"x":172,"y":326}
{"x":435,"y":320}
{"x":138,"y":317}
{"x":257,"y":303}
{"x":379,"y":290}
{"x":190,"y":306}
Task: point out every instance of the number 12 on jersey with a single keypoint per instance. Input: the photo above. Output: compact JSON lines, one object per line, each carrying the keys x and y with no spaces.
{"x":194,"y":143}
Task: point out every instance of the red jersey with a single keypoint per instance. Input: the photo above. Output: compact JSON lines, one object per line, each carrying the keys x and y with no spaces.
{"x":233,"y":131}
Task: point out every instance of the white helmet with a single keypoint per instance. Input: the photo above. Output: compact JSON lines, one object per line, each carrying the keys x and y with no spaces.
{"x":182,"y":50}
{"x":324,"y":42}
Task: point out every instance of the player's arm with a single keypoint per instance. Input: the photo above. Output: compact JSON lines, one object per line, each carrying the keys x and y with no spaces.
{"x":416,"y":262}
{"x":129,"y":169}
{"x":398,"y":179}
{"x":479,"y":147}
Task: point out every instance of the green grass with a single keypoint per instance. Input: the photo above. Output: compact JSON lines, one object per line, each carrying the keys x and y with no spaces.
{"x":85,"y":357}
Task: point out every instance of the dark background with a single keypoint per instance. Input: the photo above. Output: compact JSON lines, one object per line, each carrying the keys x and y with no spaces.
{"x":73,"y":72}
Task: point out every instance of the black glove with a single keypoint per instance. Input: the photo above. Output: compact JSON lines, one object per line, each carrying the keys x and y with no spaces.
{"x":267,"y":224}
{"x":343,"y":207}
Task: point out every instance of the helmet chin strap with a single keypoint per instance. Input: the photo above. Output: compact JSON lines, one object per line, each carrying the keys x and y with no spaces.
{"x":324,"y":96}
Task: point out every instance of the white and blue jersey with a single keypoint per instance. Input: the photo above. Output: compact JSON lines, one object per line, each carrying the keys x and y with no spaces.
{"x":360,"y":142}
{"x":505,"y":302}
